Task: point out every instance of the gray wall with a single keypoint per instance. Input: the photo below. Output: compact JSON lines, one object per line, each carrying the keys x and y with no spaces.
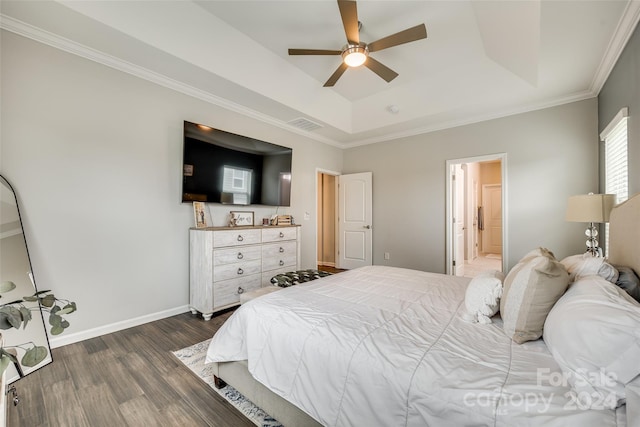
{"x":551,"y":155}
{"x":622,"y":89}
{"x":95,"y":157}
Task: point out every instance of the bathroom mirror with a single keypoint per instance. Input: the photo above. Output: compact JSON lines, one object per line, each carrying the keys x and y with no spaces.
{"x":29,"y":341}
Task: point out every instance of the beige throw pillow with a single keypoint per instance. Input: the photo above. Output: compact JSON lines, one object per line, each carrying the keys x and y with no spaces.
{"x":531,"y":289}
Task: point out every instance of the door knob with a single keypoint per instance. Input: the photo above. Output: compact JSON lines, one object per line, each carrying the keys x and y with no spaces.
{"x":368,"y":227}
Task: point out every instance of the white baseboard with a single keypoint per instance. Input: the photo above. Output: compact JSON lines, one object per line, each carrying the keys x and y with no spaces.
{"x":61,"y":340}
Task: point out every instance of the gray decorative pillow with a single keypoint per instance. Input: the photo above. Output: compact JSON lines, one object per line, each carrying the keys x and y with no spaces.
{"x":629,"y":281}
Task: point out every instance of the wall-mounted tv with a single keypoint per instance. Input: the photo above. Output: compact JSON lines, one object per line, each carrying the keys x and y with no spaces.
{"x":223,"y":167}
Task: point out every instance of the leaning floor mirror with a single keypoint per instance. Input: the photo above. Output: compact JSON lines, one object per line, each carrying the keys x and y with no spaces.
{"x":25,"y":344}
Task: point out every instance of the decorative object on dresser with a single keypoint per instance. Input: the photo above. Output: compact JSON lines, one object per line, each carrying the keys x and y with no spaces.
{"x":199,"y":214}
{"x":284,"y":220}
{"x":226,"y":262}
{"x":591,"y":208}
{"x":241,"y":218}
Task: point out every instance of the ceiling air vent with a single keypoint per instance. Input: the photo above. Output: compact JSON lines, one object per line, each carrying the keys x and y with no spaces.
{"x":304,"y":124}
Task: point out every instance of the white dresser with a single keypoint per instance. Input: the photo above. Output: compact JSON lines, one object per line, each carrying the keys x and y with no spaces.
{"x":226,"y":262}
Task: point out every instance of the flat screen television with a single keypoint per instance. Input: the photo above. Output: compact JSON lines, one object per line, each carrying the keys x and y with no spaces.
{"x":223,"y":167}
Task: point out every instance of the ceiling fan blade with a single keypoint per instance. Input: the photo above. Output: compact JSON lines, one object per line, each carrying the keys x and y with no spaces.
{"x":336,"y":75}
{"x":314,"y":52}
{"x":409,"y":35}
{"x":382,"y":70}
{"x":349,"y":14}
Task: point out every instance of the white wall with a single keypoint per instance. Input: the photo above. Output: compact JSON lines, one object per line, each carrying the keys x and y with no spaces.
{"x":551,"y":154}
{"x":95,"y":157}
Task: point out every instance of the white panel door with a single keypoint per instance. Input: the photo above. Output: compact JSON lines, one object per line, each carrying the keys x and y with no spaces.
{"x":492,"y":234}
{"x":458,"y":220}
{"x":354,"y":220}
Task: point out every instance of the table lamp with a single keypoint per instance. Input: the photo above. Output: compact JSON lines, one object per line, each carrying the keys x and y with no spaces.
{"x":590,"y":208}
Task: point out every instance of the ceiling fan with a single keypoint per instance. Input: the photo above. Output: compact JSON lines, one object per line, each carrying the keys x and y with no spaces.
{"x":356,"y":53}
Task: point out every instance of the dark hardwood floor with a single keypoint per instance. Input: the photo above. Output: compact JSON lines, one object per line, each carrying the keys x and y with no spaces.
{"x":127,"y":378}
{"x":330,"y":269}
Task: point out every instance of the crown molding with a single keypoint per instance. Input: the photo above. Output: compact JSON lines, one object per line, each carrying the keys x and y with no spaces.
{"x":9,"y":233}
{"x":624,"y":31}
{"x":37,"y":34}
{"x":476,"y":119}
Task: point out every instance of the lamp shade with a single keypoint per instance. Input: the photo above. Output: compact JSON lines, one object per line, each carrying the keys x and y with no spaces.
{"x":590,"y":207}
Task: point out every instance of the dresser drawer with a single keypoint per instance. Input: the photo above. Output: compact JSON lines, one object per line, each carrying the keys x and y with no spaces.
{"x":277,"y":255}
{"x":224,"y":259}
{"x":228,"y":291}
{"x":278,"y":234}
{"x":237,"y":237}
{"x":238,"y":254}
{"x":236,"y":270}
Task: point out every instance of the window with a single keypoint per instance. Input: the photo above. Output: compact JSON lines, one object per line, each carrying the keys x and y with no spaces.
{"x":237,"y":183}
{"x":616,"y":162}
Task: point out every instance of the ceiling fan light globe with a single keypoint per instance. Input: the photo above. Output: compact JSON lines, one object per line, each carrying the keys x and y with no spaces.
{"x":354,"y":56}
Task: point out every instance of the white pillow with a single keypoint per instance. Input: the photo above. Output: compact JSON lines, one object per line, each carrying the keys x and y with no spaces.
{"x":482,"y":299}
{"x":586,"y":264}
{"x":593,"y":332}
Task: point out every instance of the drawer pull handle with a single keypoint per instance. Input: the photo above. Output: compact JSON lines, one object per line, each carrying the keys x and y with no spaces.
{"x":240,"y":271}
{"x":240,"y":238}
{"x":281,"y":234}
{"x":240,"y":290}
{"x":281,"y":262}
{"x":281,"y":249}
{"x":240,"y":256}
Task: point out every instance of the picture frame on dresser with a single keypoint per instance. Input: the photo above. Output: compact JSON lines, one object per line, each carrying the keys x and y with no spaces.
{"x":200,"y":215}
{"x":242,"y":218}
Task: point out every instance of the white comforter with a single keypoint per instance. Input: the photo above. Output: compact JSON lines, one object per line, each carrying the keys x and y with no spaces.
{"x":383,"y":346}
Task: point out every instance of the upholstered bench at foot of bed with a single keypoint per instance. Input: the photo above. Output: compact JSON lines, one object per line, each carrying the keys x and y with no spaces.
{"x":284,"y":280}
{"x":291,"y":278}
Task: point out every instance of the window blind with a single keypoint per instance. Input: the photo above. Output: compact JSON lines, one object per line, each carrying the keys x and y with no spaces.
{"x":616,"y":163}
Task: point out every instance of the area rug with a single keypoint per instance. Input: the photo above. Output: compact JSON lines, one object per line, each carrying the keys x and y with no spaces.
{"x":193,"y":357}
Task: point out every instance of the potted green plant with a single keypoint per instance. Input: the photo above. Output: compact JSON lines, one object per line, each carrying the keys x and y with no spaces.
{"x":17,"y":314}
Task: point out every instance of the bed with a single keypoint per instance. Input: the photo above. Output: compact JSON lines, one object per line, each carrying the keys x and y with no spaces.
{"x":389,"y":346}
